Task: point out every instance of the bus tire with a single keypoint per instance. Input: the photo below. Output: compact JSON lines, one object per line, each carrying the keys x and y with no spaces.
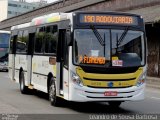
{"x":23,"y":88}
{"x":54,"y":100}
{"x":115,"y":104}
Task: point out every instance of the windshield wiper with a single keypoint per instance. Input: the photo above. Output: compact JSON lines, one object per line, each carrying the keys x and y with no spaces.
{"x":98,"y":36}
{"x":119,"y":41}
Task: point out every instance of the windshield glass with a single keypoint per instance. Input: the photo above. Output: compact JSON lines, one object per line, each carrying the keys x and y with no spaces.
{"x":3,"y":54}
{"x":129,"y":51}
{"x":89,"y":49}
{"x":4,"y":43}
{"x":4,"y":38}
{"x":126,"y":51}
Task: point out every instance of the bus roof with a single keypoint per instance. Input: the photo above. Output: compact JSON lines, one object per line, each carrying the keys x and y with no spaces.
{"x":53,"y":17}
{"x":3,"y":31}
{"x":108,"y":12}
{"x":21,"y":26}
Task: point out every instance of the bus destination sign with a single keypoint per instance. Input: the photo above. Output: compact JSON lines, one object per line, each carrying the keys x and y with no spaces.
{"x":108,"y":19}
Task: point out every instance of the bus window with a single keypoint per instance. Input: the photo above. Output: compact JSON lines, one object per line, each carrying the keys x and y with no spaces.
{"x":40,"y":36}
{"x":4,"y":38}
{"x":25,"y":39}
{"x":51,"y":39}
{"x":12,"y":44}
{"x":130,"y":48}
{"x":67,"y":38}
{"x":21,"y":44}
{"x":31,"y":43}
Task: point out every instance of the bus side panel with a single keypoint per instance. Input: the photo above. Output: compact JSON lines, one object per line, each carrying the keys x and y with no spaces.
{"x":65,"y":90}
{"x":29,"y":70}
{"x":58,"y":78}
{"x":72,"y":68}
{"x":20,"y":63}
{"x":66,"y":83}
{"x":66,"y":75}
{"x":11,"y":66}
{"x":40,"y":70}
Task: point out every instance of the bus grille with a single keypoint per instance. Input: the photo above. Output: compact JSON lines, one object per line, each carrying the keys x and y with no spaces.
{"x":101,"y":80}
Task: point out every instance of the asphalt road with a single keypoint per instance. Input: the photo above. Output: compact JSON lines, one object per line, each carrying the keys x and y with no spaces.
{"x":12,"y":101}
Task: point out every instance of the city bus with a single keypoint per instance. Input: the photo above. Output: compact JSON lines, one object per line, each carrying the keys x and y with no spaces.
{"x":81,"y":57}
{"x":4,"y":48}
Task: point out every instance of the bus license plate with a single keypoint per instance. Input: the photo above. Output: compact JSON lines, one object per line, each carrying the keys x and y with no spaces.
{"x":110,"y":93}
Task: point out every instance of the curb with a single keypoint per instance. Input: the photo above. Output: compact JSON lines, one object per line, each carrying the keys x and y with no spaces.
{"x":153,"y":82}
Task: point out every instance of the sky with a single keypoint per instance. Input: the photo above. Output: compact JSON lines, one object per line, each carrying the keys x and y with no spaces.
{"x":49,"y":1}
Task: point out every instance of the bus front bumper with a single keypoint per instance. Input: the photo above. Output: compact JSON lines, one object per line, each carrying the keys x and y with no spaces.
{"x":84,"y":94}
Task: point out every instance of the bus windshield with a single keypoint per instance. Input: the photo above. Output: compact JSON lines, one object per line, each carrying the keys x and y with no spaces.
{"x":3,"y":54}
{"x":4,"y":46}
{"x":126,"y":51}
{"x":4,"y":38}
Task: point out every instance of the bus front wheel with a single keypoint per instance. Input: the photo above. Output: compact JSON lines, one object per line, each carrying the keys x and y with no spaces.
{"x":55,"y":101}
{"x":23,"y":88}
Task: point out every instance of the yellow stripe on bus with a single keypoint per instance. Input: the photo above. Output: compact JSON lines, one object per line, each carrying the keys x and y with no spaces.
{"x":106,"y":83}
{"x":102,"y":80}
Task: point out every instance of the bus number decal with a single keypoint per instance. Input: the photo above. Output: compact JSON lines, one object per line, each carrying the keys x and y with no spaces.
{"x":117,"y":63}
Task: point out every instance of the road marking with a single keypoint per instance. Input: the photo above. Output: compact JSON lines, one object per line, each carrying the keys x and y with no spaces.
{"x":155,"y":98}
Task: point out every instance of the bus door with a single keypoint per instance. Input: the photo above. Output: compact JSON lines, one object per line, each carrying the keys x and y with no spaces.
{"x":29,"y":56}
{"x":11,"y":62}
{"x":62,"y":66}
{"x":21,"y":56}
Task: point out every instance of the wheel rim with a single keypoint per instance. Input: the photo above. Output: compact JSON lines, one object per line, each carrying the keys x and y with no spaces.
{"x":52,"y":93}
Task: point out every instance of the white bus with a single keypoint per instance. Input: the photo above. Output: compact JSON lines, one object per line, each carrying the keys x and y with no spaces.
{"x":4,"y":47}
{"x":81,"y":56}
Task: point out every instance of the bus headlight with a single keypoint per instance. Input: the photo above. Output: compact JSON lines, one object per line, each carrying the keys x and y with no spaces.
{"x":141,"y":79}
{"x":76,"y":79}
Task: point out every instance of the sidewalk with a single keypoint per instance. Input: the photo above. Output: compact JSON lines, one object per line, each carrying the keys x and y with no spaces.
{"x":153,"y":82}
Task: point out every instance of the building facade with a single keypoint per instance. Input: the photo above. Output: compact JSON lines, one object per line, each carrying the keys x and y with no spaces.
{"x":11,"y":8}
{"x":18,"y":7}
{"x":3,"y":9}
